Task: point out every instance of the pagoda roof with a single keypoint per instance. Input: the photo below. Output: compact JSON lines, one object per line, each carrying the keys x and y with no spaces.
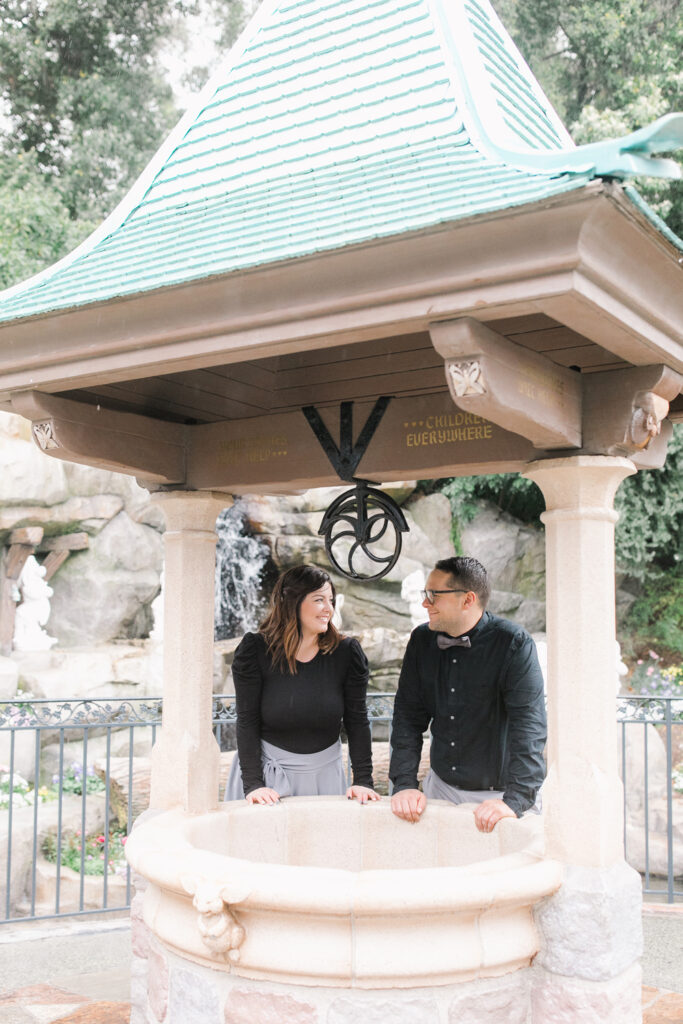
{"x":331,"y":123}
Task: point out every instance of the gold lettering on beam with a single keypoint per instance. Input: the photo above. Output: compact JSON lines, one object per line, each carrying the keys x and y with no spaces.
{"x":243,"y":450}
{"x":451,"y":428}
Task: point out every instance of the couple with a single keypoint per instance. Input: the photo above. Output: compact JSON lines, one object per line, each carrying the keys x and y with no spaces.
{"x":473,"y":676}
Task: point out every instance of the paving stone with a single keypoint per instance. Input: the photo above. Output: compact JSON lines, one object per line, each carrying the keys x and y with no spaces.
{"x":667,"y":1009}
{"x":98,"y":1013}
{"x":11,"y":1014}
{"x":40,"y":995}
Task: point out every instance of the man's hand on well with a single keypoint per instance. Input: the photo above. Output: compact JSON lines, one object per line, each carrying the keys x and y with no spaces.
{"x":408,"y":804}
{"x":488,"y":814}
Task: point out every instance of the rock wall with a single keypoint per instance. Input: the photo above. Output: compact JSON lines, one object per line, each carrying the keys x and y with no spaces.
{"x":102,"y":593}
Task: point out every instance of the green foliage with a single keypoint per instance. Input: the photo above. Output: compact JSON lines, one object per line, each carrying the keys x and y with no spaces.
{"x":609,"y":67}
{"x":83,"y":92}
{"x":649,"y":534}
{"x":72,"y":780}
{"x":655,"y":619}
{"x":36,"y":228}
{"x":91,"y":851}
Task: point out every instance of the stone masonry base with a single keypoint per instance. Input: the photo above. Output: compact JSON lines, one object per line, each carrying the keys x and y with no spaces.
{"x":169,"y":990}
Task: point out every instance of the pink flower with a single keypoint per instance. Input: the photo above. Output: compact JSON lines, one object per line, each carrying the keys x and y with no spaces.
{"x":649,"y":671}
{"x":100,"y":839}
{"x":640,"y":661}
{"x":653,"y":655}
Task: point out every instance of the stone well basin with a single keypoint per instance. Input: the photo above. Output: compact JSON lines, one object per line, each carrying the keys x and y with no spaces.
{"x":324,"y":891}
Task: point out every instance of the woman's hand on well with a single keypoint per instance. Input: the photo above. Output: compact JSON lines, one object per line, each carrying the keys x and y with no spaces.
{"x":264,"y":795}
{"x":363,"y":794}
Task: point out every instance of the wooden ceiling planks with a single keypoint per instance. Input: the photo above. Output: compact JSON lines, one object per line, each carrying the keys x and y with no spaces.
{"x":406,"y":364}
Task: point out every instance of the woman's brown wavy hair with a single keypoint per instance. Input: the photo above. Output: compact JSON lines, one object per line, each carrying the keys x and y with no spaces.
{"x":281,"y":627}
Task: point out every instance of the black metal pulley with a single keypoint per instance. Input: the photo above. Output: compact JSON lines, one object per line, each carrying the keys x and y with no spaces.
{"x":363,"y":526}
{"x":362,"y":530}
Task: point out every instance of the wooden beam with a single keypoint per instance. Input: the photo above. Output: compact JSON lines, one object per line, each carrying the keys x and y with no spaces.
{"x":423,"y":436}
{"x":93,"y":436}
{"x":54,"y":561}
{"x":65,"y":542}
{"x":31,"y":535}
{"x":521,"y":391}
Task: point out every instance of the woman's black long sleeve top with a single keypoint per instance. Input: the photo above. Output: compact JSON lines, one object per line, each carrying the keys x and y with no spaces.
{"x":302,"y":713}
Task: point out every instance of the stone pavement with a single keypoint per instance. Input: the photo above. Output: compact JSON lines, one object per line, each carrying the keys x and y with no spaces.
{"x":78,"y":971}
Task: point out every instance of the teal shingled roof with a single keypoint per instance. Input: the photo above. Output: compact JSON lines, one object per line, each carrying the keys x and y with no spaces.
{"x":333,"y":122}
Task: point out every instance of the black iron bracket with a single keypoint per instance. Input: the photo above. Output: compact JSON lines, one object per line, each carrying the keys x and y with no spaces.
{"x":346,"y":456}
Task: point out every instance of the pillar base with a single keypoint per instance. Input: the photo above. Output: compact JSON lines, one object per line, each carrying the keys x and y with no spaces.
{"x":592,"y":928}
{"x":559,"y":1000}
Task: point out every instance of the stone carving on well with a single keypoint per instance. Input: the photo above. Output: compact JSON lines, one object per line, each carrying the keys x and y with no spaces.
{"x":466,"y":378}
{"x":220,"y":930}
{"x":649,"y":410}
{"x":44,"y":434}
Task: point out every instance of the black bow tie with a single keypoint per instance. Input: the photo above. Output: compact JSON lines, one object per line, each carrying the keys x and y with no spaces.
{"x":452,"y":641}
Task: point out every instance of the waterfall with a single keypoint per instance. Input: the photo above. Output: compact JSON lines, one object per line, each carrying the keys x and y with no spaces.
{"x":241,"y":571}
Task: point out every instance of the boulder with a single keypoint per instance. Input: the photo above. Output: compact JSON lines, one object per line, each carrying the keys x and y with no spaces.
{"x":108,"y":670}
{"x":88,"y":514}
{"x":514,"y":555}
{"x":23,"y":835}
{"x":105,"y":592}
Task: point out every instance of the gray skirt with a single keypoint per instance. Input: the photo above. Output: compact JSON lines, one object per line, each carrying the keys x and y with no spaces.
{"x":319,"y":774}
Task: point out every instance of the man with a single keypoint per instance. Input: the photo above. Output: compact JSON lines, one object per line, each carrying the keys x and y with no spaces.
{"x":476,"y":678}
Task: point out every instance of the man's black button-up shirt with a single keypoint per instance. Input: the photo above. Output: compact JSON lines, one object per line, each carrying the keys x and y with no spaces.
{"x":486,"y":708}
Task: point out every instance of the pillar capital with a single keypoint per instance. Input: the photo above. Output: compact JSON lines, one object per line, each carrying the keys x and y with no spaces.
{"x":580,"y":482}
{"x":191,"y":510}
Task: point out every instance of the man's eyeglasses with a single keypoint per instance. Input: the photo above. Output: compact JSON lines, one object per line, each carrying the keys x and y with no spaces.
{"x":429,"y":595}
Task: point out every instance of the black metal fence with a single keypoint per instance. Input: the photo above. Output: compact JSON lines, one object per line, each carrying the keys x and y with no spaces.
{"x":74,"y":775}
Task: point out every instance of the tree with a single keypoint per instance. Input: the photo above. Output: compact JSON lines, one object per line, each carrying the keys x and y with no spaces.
{"x":35,"y":225}
{"x":84,"y":94}
{"x":609,"y":67}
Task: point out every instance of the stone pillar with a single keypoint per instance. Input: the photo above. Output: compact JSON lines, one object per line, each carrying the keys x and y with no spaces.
{"x":185,"y":758}
{"x":583,"y":795}
{"x":591,"y":930}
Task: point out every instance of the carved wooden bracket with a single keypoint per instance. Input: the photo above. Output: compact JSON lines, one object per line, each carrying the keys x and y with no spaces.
{"x":219,"y":928}
{"x":625,"y":413}
{"x":123,"y":442}
{"x":506,"y":384}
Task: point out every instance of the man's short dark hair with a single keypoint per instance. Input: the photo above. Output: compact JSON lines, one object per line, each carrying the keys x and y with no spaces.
{"x":469,"y":574}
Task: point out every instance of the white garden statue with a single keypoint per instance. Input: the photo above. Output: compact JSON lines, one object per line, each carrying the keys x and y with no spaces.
{"x":411,"y":592}
{"x":33,"y":610}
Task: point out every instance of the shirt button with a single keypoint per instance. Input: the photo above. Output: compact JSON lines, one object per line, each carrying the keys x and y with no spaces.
{"x":452,"y":767}
{"x":452,"y":689}
{"x":452,"y":717}
{"x":452,"y":743}
{"x":454,"y":660}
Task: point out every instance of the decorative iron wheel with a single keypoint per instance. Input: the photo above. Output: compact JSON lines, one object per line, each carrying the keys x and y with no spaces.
{"x":362,"y":530}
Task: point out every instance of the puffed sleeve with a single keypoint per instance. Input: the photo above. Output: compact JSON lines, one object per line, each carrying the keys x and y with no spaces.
{"x":356,"y":715}
{"x":246,"y":674}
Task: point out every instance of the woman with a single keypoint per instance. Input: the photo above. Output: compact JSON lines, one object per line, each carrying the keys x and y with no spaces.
{"x":296,"y":681}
